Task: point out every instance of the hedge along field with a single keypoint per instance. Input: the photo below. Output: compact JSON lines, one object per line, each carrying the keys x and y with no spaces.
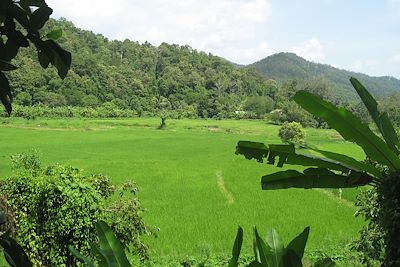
{"x":195,"y":189}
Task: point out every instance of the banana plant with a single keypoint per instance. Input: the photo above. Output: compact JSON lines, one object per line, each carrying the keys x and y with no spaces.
{"x":272,"y":252}
{"x":331,"y":170}
{"x":108,"y":253}
{"x":334,"y":170}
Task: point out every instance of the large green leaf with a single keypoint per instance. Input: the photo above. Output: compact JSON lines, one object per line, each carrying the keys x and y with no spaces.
{"x":6,"y":66}
{"x":349,"y":161}
{"x":234,"y":262}
{"x":381,"y":120}
{"x":350,"y":127}
{"x":110,"y":246}
{"x":261,"y":248}
{"x":13,"y":252}
{"x":58,"y":57}
{"x":39,"y":17}
{"x":80,"y":257}
{"x":291,"y":259}
{"x":5,"y":93}
{"x":62,"y":58}
{"x":256,"y":264}
{"x":313,"y":178}
{"x":19,"y":14}
{"x":43,"y":59}
{"x":287,"y":155}
{"x":277,"y":249}
{"x":37,"y":3}
{"x":298,"y":244}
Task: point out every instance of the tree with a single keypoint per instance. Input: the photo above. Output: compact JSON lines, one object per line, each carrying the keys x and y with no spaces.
{"x":258,"y":105}
{"x":334,"y":170}
{"x":31,"y":16}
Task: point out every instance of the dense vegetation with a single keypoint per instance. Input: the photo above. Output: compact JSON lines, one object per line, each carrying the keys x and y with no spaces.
{"x":167,"y":81}
{"x":140,"y":77}
{"x":55,"y":206}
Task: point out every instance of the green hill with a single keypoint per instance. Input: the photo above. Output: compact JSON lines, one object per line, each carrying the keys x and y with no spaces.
{"x":140,"y":77}
{"x":283,"y":66}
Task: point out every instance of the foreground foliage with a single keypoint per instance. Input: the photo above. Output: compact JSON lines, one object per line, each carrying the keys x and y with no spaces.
{"x":271,"y":253}
{"x":335,"y":170}
{"x":108,"y":253}
{"x":56,"y":206}
{"x":21,"y":23}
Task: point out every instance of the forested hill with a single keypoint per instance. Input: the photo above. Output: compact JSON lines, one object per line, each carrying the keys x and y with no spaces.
{"x":140,"y":77}
{"x":177,"y":81}
{"x":283,"y":66}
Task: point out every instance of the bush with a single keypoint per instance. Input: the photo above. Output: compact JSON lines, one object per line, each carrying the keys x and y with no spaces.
{"x":292,"y":132}
{"x":57,"y":206}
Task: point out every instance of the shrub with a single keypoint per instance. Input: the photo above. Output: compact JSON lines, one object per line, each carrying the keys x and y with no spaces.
{"x":292,"y":132}
{"x":57,"y":206}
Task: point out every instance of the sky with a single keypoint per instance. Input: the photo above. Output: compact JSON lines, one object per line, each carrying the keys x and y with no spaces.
{"x":357,"y":35}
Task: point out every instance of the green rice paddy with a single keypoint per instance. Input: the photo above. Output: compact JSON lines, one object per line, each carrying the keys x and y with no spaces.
{"x":195,"y":189}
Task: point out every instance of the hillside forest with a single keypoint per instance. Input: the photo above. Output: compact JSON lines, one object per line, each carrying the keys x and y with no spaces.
{"x":111,"y":78}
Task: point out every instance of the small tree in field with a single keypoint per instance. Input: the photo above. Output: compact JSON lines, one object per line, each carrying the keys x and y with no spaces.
{"x":292,"y":132}
{"x":334,"y":170}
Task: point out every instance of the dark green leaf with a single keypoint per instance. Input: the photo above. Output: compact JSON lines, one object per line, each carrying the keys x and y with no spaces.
{"x":5,"y":93}
{"x":236,"y":248}
{"x":2,"y":218}
{"x":299,"y":243}
{"x":291,"y":259}
{"x":313,"y":178}
{"x":60,"y":58}
{"x":256,"y":264}
{"x":252,"y":150}
{"x":262,"y":249}
{"x":43,"y":59}
{"x":11,"y":48}
{"x":287,"y":155}
{"x":350,"y":127}
{"x":39,"y":17}
{"x":382,"y":122}
{"x":37,"y":3}
{"x":19,"y":14}
{"x":349,"y":161}
{"x":101,"y":258}
{"x":276,"y":251}
{"x":6,"y":66}
{"x":390,"y":134}
{"x":14,"y":253}
{"x":110,"y":246}
{"x":80,"y":257}
{"x":54,"y":35}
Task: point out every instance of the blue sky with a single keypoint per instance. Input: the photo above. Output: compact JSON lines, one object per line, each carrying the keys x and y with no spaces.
{"x":362,"y":36}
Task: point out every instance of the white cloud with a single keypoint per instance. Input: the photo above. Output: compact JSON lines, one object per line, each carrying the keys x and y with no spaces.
{"x":311,"y":50}
{"x":223,"y":27}
{"x":393,"y":7}
{"x":394,"y":58}
{"x":251,"y":54}
{"x":363,"y":65}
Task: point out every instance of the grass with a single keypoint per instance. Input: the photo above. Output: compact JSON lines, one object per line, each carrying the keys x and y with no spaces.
{"x":195,"y":189}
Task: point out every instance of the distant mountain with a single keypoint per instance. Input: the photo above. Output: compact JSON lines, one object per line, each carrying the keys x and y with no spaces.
{"x":283,"y":66}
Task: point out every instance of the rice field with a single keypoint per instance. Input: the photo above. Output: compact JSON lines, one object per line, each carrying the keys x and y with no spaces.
{"x":195,"y":189}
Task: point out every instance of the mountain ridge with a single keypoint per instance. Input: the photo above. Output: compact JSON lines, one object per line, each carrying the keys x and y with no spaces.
{"x":285,"y":65}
